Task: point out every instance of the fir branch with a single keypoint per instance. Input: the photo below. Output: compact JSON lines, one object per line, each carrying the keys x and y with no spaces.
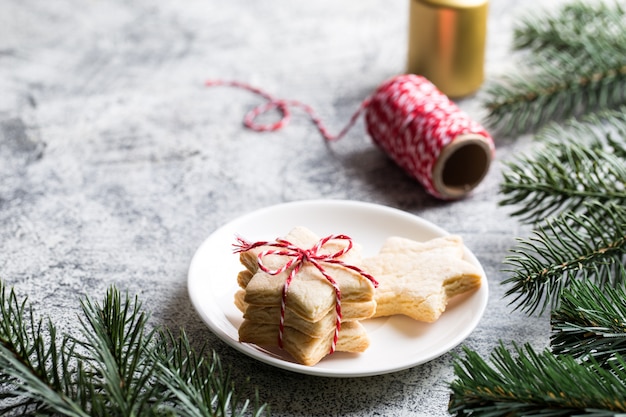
{"x":535,"y":384}
{"x":572,"y":68}
{"x":590,"y":323}
{"x":573,"y":27}
{"x":199,"y":387}
{"x":118,"y":367}
{"x":605,"y":129}
{"x":34,"y":366}
{"x":524,"y":103}
{"x":115,"y":342}
{"x":570,"y":246}
{"x":564,"y":174}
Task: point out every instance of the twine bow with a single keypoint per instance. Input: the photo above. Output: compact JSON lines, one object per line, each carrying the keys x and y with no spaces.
{"x":298,"y":257}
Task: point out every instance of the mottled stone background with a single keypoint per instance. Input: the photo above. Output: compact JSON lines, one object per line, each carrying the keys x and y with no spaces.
{"x":116,"y":162}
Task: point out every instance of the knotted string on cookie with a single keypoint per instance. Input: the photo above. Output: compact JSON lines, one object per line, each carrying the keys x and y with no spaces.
{"x":414,"y":123}
{"x":298,"y":257}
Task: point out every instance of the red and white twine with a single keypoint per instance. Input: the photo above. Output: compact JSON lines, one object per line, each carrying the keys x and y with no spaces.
{"x":283,"y":107}
{"x":407,"y":117}
{"x":297,"y":258}
{"x":412,"y":121}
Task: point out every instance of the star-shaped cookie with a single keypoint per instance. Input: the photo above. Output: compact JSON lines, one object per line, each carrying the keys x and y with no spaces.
{"x":417,"y":279}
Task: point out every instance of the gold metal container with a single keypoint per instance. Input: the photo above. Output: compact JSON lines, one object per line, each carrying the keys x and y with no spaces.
{"x":447,"y":43}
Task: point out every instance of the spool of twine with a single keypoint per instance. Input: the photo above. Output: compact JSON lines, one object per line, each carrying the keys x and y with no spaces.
{"x":428,"y":136}
{"x":414,"y":123}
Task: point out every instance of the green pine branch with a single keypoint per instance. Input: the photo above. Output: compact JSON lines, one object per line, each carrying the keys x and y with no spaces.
{"x":574,"y":162}
{"x":118,"y":366}
{"x":530,"y":383}
{"x":590,"y":323}
{"x":573,"y":189}
{"x":571,"y":67}
{"x":578,"y":26}
{"x":115,"y":340}
{"x":566,"y":248}
{"x":584,"y":372}
{"x":198,"y":384}
{"x":561,"y":177}
{"x":604,"y":129}
{"x":35,"y":362}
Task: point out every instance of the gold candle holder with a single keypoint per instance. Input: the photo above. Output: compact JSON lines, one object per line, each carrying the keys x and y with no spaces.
{"x":447,"y":43}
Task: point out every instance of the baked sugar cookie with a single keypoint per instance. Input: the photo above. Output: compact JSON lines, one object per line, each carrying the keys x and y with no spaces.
{"x":305,"y":349}
{"x":304,"y":293}
{"x":271,"y":315}
{"x":417,"y":279}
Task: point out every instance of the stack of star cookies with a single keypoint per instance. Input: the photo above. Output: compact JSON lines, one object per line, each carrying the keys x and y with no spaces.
{"x":309,"y":313}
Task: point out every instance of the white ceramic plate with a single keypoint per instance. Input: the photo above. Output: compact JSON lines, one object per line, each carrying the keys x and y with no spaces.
{"x":396,"y":342}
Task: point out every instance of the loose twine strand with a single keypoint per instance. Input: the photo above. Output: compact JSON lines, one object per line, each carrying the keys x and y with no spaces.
{"x":283,"y":106}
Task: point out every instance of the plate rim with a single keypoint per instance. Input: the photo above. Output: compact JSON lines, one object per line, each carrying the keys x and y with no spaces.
{"x":256,"y":354}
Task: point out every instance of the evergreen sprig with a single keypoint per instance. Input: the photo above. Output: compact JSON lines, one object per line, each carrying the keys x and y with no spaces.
{"x":568,"y":247}
{"x":114,"y":343}
{"x":562,"y":175}
{"x":573,"y":189}
{"x":590,"y":323}
{"x":583,"y":373}
{"x":118,"y":366}
{"x":35,"y":363}
{"x":574,"y":26}
{"x":571,"y":67}
{"x":603,"y":129}
{"x":530,"y":383}
{"x":198,"y":384}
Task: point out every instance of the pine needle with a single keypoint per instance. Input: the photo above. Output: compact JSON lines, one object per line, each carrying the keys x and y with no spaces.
{"x":605,"y":129}
{"x":575,"y":63}
{"x":528,"y":383}
{"x":575,"y":162}
{"x":118,"y":366}
{"x":568,"y":247}
{"x":115,"y":341}
{"x":199,"y":387}
{"x":32,"y":364}
{"x":573,"y":189}
{"x":590,"y":323}
{"x":574,"y":27}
